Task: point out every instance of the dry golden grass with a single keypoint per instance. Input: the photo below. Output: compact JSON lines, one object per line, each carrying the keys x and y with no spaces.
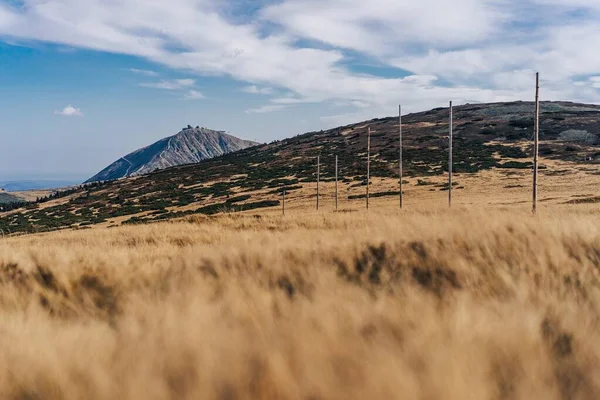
{"x":560,"y":182}
{"x":389,"y":305}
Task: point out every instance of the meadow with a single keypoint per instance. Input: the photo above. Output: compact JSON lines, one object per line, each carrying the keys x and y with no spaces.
{"x":426,"y":303}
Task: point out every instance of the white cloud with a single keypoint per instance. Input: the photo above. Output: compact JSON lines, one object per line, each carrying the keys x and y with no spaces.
{"x":351,"y":103}
{"x":387,"y":25}
{"x":570,"y":4}
{"x":66,"y":50}
{"x":144,"y":72}
{"x":253,"y":89}
{"x":266,"y":109}
{"x":344,"y":119}
{"x":293,"y":100}
{"x":595,"y":82}
{"x":359,"y":104}
{"x":69,"y":111}
{"x":172,"y":84}
{"x":7,"y":16}
{"x":472,"y":50}
{"x":193,"y":95}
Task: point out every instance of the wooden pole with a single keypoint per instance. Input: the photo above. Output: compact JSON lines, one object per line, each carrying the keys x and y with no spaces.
{"x":318,"y":178}
{"x":336,"y":183}
{"x":450,"y":159}
{"x":400,"y":155}
{"x":536,"y":141}
{"x":283,"y":201}
{"x":368,"y":164}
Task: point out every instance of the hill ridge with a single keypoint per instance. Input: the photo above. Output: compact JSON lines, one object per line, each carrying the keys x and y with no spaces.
{"x":488,"y":137}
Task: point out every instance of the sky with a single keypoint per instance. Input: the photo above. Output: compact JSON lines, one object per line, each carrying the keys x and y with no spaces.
{"x":84,"y":82}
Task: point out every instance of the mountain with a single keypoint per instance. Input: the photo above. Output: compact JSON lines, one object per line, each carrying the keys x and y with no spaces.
{"x":189,"y":146}
{"x":487,"y":138}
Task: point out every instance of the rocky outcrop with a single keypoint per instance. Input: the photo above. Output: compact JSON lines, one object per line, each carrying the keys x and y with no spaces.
{"x":579,"y":136}
{"x":189,"y":146}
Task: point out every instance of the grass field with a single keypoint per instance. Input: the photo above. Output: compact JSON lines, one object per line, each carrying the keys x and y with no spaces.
{"x":423,"y":304}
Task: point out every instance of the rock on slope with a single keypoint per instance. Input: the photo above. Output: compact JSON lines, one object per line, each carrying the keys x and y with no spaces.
{"x":189,"y":146}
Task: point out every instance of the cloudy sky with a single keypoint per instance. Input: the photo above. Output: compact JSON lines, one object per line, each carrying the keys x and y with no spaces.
{"x":83,"y":82}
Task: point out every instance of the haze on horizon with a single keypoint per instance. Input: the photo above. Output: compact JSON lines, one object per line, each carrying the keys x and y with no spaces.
{"x":83,"y":82}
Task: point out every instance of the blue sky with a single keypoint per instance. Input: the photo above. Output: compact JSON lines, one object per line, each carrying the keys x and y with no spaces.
{"x":84,"y":82}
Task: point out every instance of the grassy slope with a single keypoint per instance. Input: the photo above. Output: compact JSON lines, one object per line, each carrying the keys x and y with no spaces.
{"x":261,"y":172}
{"x":8,"y":198}
{"x":473,"y":304}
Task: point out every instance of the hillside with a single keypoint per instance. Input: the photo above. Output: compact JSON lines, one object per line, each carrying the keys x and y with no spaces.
{"x":189,"y":146}
{"x":6,"y":198}
{"x":492,"y":147}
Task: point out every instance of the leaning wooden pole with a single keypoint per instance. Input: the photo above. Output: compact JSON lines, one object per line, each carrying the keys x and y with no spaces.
{"x":450,"y":158}
{"x":318,"y":178}
{"x":400,"y":155}
{"x":368,"y":163}
{"x":336,"y":183}
{"x":536,"y":148}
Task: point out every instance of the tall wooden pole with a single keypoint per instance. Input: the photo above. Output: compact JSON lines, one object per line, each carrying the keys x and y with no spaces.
{"x":283,"y":201}
{"x":336,"y":183}
{"x":318,"y":178}
{"x":536,"y":142}
{"x":400,"y":155}
{"x":450,"y":159}
{"x":368,"y":164}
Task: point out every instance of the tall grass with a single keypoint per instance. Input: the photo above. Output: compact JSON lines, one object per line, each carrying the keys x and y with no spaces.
{"x":338,"y":306}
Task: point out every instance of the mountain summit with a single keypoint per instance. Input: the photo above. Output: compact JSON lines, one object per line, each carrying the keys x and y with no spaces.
{"x":189,"y":146}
